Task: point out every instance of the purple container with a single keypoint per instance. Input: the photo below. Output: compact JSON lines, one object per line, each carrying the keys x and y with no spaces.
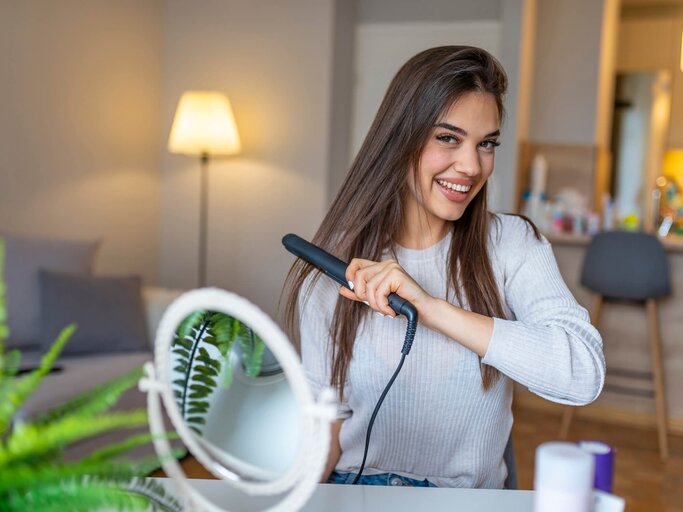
{"x":604,"y":463}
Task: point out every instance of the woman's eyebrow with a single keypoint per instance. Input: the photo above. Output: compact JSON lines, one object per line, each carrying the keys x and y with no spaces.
{"x":462,"y":132}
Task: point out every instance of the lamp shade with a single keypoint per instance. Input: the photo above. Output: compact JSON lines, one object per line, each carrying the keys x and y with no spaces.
{"x":204,"y":124}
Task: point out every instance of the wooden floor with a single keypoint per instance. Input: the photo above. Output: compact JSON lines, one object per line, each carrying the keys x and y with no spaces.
{"x":647,"y":484}
{"x":640,"y":477}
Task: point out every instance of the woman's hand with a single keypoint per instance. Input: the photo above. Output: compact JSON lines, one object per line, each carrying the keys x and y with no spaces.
{"x":373,"y":281}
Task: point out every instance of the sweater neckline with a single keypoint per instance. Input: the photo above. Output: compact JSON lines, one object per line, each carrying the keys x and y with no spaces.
{"x":429,"y":252}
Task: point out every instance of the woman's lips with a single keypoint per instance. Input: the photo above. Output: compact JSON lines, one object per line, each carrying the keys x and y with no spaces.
{"x":448,"y":189}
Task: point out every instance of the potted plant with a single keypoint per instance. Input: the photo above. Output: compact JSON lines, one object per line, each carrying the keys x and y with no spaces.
{"x":33,"y":472}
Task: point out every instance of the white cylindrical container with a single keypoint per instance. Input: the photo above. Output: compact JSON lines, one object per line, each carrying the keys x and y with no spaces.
{"x":563,"y":478}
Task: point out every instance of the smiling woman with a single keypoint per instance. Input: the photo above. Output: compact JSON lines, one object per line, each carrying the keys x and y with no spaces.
{"x":456,"y":162}
{"x":412,"y":219}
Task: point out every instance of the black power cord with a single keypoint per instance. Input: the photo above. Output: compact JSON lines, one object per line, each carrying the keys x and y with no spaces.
{"x":407,"y":344}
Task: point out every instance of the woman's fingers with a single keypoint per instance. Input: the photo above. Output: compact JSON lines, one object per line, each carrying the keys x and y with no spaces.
{"x":357,"y":273}
{"x":380,"y":286}
{"x":373,"y":282}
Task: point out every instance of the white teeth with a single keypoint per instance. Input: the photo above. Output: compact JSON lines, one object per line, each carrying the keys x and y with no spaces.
{"x":453,"y":186}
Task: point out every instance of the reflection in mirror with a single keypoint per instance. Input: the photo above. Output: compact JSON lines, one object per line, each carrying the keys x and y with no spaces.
{"x":639,"y":126}
{"x":233,"y":395}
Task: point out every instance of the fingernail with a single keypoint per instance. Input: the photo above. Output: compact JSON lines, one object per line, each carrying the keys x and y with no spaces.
{"x":366,"y":303}
{"x":380,"y":314}
{"x":350,"y":284}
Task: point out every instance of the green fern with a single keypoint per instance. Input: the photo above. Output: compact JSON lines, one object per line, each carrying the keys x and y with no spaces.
{"x":98,"y":399}
{"x":14,"y":395}
{"x":33,"y":474}
{"x":87,"y":495}
{"x":198,"y":373}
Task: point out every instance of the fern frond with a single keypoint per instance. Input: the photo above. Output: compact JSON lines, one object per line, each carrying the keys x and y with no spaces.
{"x":98,"y":399}
{"x":25,"y":476}
{"x":191,"y":323}
{"x":75,"y":496}
{"x":10,"y":364}
{"x":156,"y":493}
{"x":191,"y":363}
{"x":252,"y":351}
{"x":29,"y":442}
{"x":114,"y":450}
{"x":24,"y":386}
{"x":225,"y":329}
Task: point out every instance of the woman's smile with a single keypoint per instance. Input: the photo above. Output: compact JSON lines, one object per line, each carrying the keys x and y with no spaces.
{"x":453,"y":190}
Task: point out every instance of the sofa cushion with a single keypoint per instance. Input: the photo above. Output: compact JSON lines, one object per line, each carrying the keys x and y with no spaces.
{"x":24,"y":257}
{"x":108,"y":311}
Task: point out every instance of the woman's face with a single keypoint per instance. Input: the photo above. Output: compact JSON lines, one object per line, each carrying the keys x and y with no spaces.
{"x":456,"y":161}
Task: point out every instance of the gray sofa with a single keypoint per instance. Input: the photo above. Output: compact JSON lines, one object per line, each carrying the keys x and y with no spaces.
{"x":50,"y":283}
{"x":79,"y":373}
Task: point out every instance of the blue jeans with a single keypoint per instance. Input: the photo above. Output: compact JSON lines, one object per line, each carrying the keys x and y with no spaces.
{"x":381,"y":479}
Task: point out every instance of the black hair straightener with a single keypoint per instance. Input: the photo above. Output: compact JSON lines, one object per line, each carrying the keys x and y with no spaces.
{"x":335,"y":268}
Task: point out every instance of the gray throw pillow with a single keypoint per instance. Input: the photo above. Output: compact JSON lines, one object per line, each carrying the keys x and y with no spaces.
{"x":24,"y":257}
{"x":108,"y":311}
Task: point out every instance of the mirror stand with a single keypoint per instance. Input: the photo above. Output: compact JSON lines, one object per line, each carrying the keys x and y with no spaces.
{"x":298,"y":482}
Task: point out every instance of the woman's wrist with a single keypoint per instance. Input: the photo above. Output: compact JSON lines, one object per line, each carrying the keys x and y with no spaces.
{"x":471,"y":330}
{"x":430,"y":309}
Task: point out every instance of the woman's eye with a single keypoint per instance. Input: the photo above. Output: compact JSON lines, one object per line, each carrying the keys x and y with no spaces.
{"x":447,"y":138}
{"x":490,"y":144}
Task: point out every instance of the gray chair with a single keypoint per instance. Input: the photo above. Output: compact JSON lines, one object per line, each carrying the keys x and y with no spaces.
{"x":628,"y":266}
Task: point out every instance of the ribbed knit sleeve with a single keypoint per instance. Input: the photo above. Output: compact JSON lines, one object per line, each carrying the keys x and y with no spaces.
{"x":550,"y":346}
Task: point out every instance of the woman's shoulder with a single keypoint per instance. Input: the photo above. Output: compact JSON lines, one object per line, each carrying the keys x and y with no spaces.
{"x":514,"y":232}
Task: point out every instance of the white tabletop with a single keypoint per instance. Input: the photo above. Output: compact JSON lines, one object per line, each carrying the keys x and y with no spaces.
{"x":368,"y":498}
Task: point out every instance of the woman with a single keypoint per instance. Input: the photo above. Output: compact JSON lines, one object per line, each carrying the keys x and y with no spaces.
{"x":411,"y":218}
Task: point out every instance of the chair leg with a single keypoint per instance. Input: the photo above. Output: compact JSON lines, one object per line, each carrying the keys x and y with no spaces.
{"x":568,"y":412}
{"x":567,"y":416}
{"x":658,"y":377}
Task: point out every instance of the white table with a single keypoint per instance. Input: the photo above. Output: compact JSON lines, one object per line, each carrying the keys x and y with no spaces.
{"x":367,"y":498}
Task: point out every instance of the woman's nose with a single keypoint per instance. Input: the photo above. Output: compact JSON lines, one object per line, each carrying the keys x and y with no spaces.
{"x":468,"y":162}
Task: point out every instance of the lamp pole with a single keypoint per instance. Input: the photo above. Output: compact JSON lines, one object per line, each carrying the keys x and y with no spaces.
{"x":203,"y":216}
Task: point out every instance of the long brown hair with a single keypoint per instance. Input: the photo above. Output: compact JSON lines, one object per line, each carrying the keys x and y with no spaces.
{"x":368,"y":209}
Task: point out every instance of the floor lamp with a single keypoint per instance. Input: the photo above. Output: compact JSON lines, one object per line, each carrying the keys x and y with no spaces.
{"x":204,"y":125}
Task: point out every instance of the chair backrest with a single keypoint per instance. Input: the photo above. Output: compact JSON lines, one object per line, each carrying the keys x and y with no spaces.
{"x":626,"y":265}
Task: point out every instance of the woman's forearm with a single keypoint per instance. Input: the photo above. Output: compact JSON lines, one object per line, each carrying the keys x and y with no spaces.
{"x":471,"y":330}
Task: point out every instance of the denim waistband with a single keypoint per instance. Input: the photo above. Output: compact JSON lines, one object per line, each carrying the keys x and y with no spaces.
{"x":380,"y":479}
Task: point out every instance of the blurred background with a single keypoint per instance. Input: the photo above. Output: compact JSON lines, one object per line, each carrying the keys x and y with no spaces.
{"x":592,"y":140}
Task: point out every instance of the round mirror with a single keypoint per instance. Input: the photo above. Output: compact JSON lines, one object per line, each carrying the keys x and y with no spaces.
{"x":235,"y":392}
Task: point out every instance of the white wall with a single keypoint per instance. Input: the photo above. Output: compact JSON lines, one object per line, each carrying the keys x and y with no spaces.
{"x":382,"y":48}
{"x":518,"y":21}
{"x":411,"y":11}
{"x":273,"y":59}
{"x":80,"y":108}
{"x":388,"y":33}
{"x":567,"y":71}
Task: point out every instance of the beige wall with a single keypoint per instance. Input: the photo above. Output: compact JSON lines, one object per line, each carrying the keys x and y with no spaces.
{"x":80,"y":117}
{"x":273,"y":59}
{"x":516,"y":55}
{"x":566,"y":71}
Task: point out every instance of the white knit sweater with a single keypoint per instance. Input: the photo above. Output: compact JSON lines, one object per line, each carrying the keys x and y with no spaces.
{"x":437,"y":422}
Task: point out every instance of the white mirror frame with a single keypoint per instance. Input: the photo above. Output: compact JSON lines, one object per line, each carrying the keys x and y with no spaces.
{"x":315,"y":417}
